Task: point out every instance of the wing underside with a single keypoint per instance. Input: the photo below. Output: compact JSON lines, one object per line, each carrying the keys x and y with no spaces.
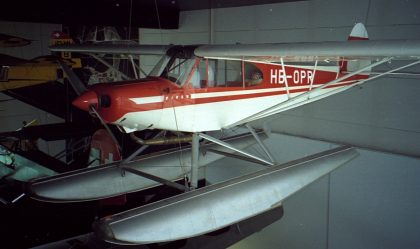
{"x":308,"y":51}
{"x":312,"y":51}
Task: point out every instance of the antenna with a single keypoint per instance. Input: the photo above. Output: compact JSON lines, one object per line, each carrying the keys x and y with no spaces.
{"x":158,"y":19}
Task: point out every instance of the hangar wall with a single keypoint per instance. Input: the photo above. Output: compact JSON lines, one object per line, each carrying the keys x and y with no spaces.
{"x":371,"y":202}
{"x":14,"y":112}
{"x":37,"y":33}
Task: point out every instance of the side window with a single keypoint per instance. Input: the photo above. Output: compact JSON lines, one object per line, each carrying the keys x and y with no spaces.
{"x":220,"y":66}
{"x":225,"y":73}
{"x":211,"y":75}
{"x":177,"y":71}
{"x":204,"y":74}
{"x":228,"y":73}
{"x":196,"y":75}
{"x":253,"y":75}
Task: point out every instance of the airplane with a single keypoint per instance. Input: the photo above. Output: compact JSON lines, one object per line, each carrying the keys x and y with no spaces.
{"x":7,"y":41}
{"x":26,"y":73}
{"x":18,"y":73}
{"x":195,"y":90}
{"x":191,"y":84}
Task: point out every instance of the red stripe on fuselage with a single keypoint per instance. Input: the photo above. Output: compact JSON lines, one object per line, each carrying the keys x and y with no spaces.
{"x":170,"y":103}
{"x":121,"y":93}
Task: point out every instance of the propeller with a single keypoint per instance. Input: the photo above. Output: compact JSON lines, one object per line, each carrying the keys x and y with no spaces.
{"x":87,"y":99}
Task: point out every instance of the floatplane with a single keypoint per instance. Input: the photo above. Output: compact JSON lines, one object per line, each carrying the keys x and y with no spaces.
{"x":195,"y":90}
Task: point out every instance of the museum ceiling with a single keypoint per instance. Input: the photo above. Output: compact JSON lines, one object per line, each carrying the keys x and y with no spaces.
{"x":113,"y":12}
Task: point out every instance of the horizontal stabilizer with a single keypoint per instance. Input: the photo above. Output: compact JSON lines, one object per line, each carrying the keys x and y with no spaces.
{"x":211,"y":208}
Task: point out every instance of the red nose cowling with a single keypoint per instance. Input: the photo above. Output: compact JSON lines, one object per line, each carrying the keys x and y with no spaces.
{"x":85,"y":100}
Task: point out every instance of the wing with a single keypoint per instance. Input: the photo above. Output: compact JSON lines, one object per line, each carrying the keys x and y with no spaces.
{"x":311,"y":51}
{"x":112,"y":48}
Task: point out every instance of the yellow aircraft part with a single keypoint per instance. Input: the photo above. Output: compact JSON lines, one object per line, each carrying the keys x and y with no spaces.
{"x":62,"y":41}
{"x":34,"y":73}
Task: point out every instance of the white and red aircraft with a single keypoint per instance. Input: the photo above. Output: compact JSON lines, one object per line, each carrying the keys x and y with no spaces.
{"x":195,"y":89}
{"x":213,"y":87}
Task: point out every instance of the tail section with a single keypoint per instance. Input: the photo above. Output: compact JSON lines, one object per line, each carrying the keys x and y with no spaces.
{"x":60,"y":38}
{"x":358,"y":33}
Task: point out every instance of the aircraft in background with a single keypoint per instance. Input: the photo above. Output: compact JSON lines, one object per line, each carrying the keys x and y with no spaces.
{"x":17,"y":73}
{"x":195,"y":90}
{"x":7,"y":41}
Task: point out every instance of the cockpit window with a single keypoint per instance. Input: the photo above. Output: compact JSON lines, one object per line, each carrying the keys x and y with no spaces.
{"x":225,"y":73}
{"x":175,"y":68}
{"x":178,"y":70}
{"x":160,"y":66}
{"x":253,"y":75}
{"x":180,"y":66}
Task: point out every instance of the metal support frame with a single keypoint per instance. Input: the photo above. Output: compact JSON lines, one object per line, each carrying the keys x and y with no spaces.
{"x":224,"y":144}
{"x":17,"y":198}
{"x":194,"y":160}
{"x":391,"y":71}
{"x":194,"y":166}
{"x":134,"y":66}
{"x":227,"y":154}
{"x":124,"y":76}
{"x":285,"y":78}
{"x":93,"y":109}
{"x":260,"y":143}
{"x":140,"y":150}
{"x":155,"y":178}
{"x":313,"y":76}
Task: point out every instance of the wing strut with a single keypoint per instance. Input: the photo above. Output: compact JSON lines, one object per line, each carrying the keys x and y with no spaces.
{"x":263,"y":147}
{"x":391,"y":71}
{"x":243,"y":158}
{"x":155,"y":178}
{"x":313,"y":76}
{"x":194,"y":160}
{"x":219,"y":142}
{"x":134,"y":67}
{"x":285,"y":78}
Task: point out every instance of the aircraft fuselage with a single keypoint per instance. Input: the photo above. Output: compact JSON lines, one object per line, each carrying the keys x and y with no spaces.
{"x":193,"y":94}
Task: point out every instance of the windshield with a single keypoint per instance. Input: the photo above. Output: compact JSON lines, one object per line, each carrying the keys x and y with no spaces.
{"x":175,"y":68}
{"x":160,"y":66}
